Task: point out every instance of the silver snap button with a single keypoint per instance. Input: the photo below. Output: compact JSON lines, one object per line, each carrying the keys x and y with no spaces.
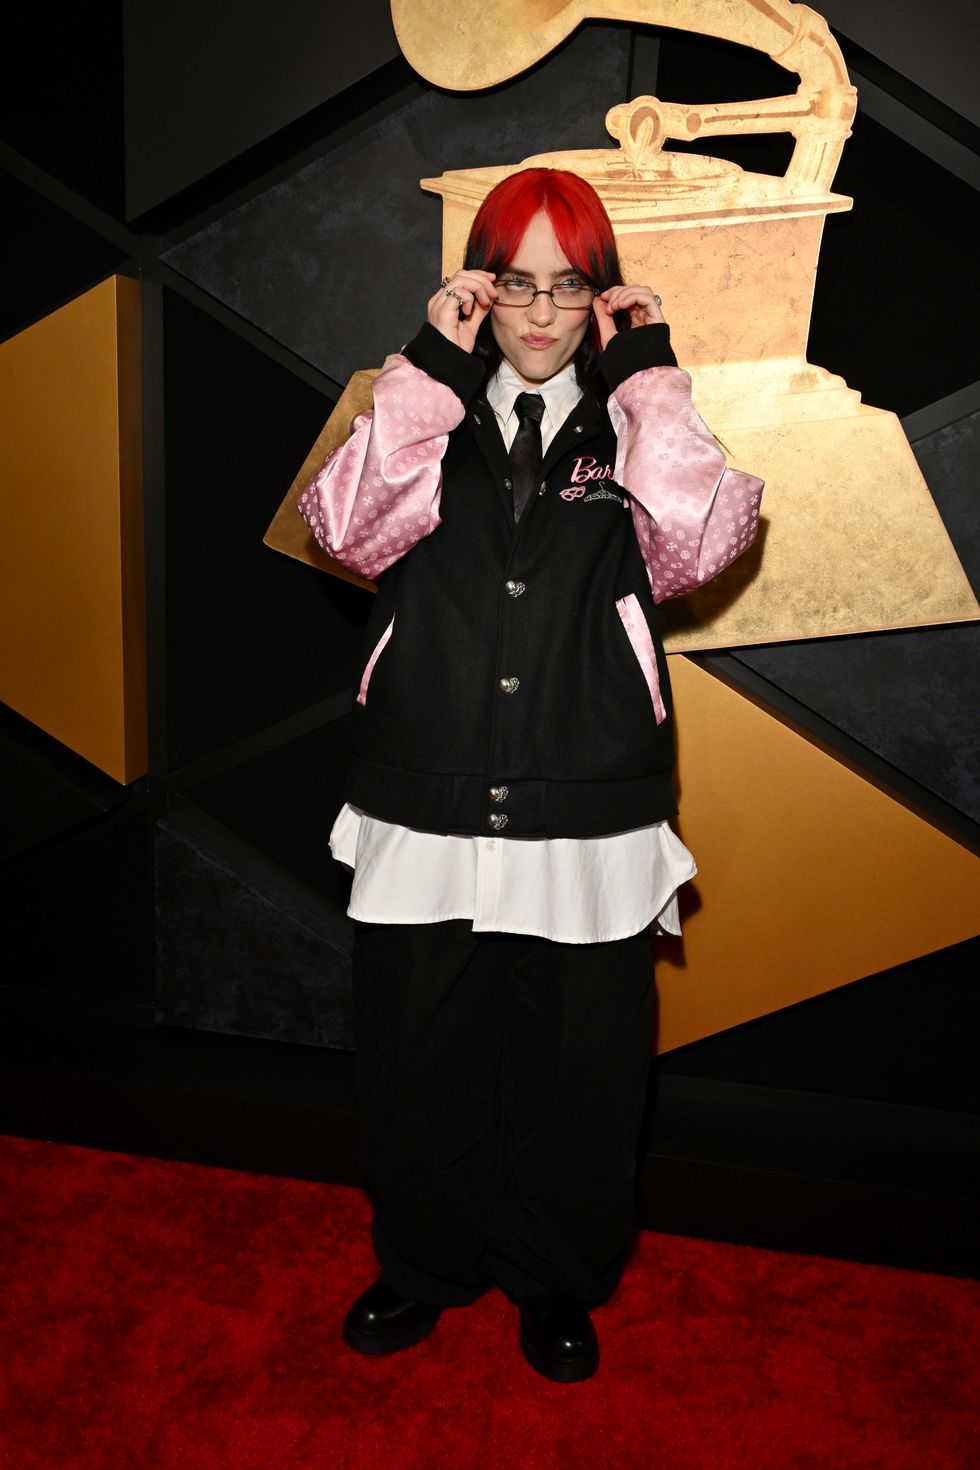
{"x":514,"y":589}
{"x":543,"y":487}
{"x":498,"y":793}
{"x":498,"y":820}
{"x":508,"y":485}
{"x":477,"y":419}
{"x":508,"y":686}
{"x":578,"y":428}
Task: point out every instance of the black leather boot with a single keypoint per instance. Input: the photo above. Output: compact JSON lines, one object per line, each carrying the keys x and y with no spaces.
{"x":558,"y":1337}
{"x":381,"y":1321}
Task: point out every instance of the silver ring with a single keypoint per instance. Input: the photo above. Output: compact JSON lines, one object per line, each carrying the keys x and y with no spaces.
{"x":444,"y":281}
{"x":458,"y":298}
{"x":658,"y":300}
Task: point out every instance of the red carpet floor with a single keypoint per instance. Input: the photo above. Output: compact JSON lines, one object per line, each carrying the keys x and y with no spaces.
{"x":163,"y":1315}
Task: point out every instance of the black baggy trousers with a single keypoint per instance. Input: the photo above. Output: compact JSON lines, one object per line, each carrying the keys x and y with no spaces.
{"x":501,"y":1081}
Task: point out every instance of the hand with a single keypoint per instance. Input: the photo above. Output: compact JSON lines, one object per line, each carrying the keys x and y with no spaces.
{"x":639,"y":301}
{"x":461,"y":323}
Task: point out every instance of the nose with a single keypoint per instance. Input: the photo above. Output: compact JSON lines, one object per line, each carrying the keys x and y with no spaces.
{"x":542,"y":310}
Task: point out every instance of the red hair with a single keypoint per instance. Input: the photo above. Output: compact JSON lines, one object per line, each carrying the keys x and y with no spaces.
{"x":578,"y":217}
{"x":582,"y":228}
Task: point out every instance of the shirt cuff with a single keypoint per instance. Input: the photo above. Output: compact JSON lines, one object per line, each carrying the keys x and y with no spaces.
{"x":443,"y":360}
{"x":631,"y":351}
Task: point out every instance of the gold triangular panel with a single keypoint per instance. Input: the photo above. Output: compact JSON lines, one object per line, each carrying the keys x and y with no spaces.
{"x":809,"y":876}
{"x":72,"y":600}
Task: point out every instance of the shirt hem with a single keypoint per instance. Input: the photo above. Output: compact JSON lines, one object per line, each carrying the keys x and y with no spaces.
{"x":496,"y":929}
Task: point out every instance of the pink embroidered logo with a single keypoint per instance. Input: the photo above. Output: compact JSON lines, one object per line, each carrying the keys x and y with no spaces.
{"x":588,"y":470}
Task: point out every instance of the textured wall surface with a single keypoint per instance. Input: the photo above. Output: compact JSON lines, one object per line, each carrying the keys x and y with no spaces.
{"x":287,"y":245}
{"x":338,"y":260}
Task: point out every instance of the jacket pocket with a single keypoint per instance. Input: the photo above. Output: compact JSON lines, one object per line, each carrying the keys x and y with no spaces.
{"x":641,"y":642}
{"x":369,"y":666}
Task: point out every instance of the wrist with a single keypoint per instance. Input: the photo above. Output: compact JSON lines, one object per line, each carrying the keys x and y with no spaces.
{"x":629,"y":352}
{"x":447,"y":362}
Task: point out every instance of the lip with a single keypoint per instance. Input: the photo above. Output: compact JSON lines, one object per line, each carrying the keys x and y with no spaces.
{"x":540,"y":343}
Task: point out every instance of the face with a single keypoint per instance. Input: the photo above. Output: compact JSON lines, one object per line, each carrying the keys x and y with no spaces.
{"x":538,"y":340}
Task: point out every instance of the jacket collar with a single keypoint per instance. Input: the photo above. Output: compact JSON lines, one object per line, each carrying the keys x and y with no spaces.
{"x":560,"y":394}
{"x":586,"y":421}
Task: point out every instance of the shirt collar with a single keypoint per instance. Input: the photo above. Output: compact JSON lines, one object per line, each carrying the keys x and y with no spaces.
{"x":560,"y":393}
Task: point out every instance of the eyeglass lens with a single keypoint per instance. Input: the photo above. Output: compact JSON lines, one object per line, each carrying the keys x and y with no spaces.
{"x":519,"y":293}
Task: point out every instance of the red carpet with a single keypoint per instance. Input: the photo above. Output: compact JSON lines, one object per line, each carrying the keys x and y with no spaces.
{"x":164,"y":1315}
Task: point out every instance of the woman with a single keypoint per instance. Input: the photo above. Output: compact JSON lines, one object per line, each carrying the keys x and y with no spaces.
{"x":532,"y":479}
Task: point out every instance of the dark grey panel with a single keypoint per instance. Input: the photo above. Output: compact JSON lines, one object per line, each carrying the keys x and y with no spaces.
{"x":923,"y":134}
{"x":934,"y":45}
{"x":252,"y":636}
{"x":47,"y":788}
{"x":912,"y":697}
{"x":905,"y":1036}
{"x":76,"y":911}
{"x":282,"y":798}
{"x":47,"y":255}
{"x":50,"y":110}
{"x":950,"y":463}
{"x":235,"y":951}
{"x":205,"y":81}
{"x":338,"y":261}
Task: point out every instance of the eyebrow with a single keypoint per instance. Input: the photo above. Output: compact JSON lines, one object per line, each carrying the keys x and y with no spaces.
{"x":522,"y":270}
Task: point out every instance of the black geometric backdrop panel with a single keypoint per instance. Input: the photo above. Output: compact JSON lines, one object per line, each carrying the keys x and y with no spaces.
{"x":257,"y":169}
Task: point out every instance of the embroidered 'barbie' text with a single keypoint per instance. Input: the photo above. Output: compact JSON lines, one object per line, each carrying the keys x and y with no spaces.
{"x":587,"y":468}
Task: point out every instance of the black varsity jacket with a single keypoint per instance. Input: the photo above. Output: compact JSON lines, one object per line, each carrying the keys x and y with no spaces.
{"x":513,"y":674}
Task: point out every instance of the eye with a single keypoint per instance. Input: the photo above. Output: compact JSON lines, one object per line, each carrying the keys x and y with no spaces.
{"x":515,"y":283}
{"x":570,"y":283}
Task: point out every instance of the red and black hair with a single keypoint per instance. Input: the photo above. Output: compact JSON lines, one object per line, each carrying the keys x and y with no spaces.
{"x":583,"y":230}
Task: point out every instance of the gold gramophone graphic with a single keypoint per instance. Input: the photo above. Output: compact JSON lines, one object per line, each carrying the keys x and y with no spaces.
{"x":851,"y":540}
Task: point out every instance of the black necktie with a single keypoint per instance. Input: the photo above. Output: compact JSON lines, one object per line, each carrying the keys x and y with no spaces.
{"x":525,"y":452}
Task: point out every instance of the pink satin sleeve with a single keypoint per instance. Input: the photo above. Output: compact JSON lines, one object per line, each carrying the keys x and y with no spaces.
{"x":692,"y":514}
{"x":378,"y":493}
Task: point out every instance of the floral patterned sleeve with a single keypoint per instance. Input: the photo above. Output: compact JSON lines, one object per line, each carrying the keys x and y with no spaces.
{"x":378,"y":493}
{"x":693,"y":515}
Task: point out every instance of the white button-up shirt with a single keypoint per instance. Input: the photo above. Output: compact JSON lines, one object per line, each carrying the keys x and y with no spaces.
{"x":579,"y":890}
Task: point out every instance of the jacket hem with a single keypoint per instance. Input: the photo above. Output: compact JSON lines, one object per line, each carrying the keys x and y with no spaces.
{"x":460,"y":804}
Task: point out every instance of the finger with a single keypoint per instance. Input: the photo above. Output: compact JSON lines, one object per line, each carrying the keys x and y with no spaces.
{"x":640,"y":302}
{"x":478,"y":315}
{"x":480,"y":283}
{"x":624,"y":298}
{"x":456,"y":300}
{"x":607,"y":329}
{"x":470,"y":291}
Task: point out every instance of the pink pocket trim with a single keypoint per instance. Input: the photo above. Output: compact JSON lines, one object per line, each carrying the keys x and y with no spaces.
{"x":369,"y":666}
{"x":640,"y":638}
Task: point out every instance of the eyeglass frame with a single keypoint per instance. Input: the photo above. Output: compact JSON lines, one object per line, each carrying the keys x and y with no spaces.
{"x":550,"y":291}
